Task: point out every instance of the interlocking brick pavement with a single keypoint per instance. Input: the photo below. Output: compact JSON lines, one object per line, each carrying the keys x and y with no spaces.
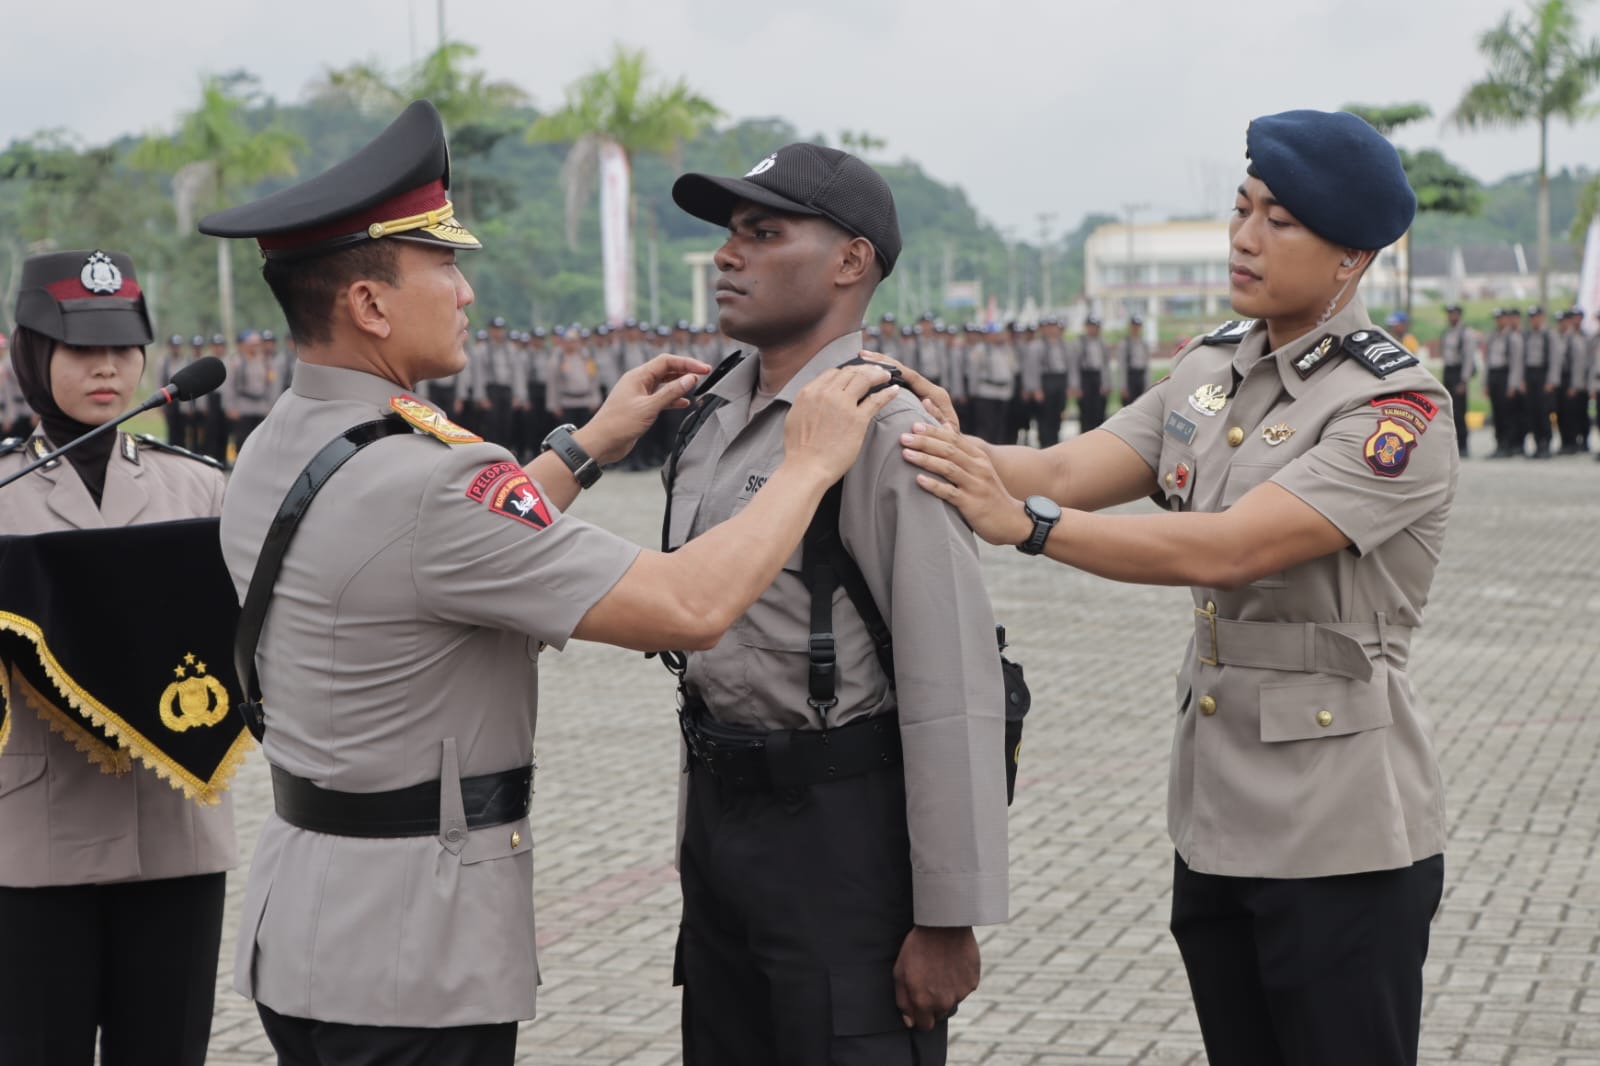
{"x":1508,"y":664}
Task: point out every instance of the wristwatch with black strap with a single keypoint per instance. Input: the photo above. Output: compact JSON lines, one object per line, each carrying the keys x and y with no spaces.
{"x":1045,"y":513}
{"x":580,"y":462}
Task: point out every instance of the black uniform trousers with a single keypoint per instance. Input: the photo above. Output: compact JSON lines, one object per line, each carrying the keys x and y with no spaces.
{"x":1054,"y":386}
{"x":443,"y":397}
{"x":1572,"y":415}
{"x":1500,"y":412}
{"x":497,"y":420}
{"x":989,"y":417}
{"x":177,"y":416}
{"x":1092,"y":404}
{"x":1458,"y":405}
{"x":1137,"y":375}
{"x":214,"y":438}
{"x":1317,"y":971}
{"x":795,"y":905}
{"x":135,"y":962}
{"x":304,"y":1042}
{"x":1536,"y":406}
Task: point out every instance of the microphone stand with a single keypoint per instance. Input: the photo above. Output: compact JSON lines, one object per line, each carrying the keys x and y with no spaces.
{"x":160,"y":399}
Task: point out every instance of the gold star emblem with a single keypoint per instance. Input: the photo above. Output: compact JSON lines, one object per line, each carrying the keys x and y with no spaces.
{"x":200,"y":668}
{"x":189,"y":658}
{"x":177,"y":671}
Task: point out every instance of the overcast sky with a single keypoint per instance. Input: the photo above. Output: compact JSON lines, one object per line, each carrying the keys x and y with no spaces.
{"x":1030,"y":105}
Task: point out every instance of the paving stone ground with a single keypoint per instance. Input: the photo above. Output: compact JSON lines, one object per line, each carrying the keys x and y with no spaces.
{"x":1508,"y":665}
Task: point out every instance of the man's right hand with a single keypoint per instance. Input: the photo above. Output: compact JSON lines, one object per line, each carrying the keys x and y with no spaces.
{"x":829,"y":419}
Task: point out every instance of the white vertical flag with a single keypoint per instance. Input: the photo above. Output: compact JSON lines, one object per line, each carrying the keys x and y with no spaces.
{"x":1589,"y":280}
{"x":616,"y":258}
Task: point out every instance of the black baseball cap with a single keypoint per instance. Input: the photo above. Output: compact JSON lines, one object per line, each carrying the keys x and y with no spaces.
{"x":804,"y":179}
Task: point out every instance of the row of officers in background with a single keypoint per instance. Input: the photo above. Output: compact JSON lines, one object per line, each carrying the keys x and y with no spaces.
{"x":1540,"y":379}
{"x":519,"y":385}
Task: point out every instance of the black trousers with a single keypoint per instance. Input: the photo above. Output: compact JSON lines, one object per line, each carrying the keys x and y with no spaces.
{"x":1137,"y":376}
{"x":1319,"y":971}
{"x":1054,"y":406}
{"x":177,"y":424}
{"x":795,"y":905}
{"x":1458,"y":405}
{"x":304,"y":1042}
{"x":1572,"y":419}
{"x":1536,"y":408}
{"x":989,"y":417}
{"x":1092,"y":404}
{"x":497,"y":420}
{"x":1500,"y":412}
{"x":135,"y":962}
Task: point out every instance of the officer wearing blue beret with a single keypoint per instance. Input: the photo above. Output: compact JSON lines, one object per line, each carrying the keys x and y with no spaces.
{"x":1306,"y":464}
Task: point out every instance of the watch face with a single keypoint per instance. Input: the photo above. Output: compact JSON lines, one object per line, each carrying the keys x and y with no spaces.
{"x":1043,"y":507}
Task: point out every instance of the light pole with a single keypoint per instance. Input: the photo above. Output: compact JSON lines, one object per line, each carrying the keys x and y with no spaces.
{"x":1129,"y":210}
{"x":1046,"y":219}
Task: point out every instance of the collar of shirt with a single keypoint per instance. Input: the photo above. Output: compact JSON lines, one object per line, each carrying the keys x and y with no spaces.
{"x":317,"y":382}
{"x":1252,"y":349}
{"x":738,"y":385}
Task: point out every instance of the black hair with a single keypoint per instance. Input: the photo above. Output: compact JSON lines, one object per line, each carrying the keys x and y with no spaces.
{"x":307,"y":288}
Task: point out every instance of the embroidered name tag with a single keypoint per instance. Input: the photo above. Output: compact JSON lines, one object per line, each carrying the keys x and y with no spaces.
{"x":1180,"y":428}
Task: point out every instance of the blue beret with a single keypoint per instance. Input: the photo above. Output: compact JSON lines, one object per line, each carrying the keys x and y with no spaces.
{"x":1334,"y":173}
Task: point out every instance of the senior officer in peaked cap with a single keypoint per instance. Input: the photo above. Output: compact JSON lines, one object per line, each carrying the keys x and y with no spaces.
{"x":1308,"y":464}
{"x":388,"y":917}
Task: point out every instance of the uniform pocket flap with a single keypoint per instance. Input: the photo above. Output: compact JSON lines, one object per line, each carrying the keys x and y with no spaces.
{"x":19,"y":770}
{"x":1314,"y":709}
{"x":863,"y":1000}
{"x":497,"y":842}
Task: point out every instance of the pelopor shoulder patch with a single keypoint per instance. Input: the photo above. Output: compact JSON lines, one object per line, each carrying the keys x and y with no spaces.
{"x":1378,"y":352}
{"x":430,"y":421}
{"x":1412,"y":408}
{"x":1230,"y":332}
{"x":506,"y":489}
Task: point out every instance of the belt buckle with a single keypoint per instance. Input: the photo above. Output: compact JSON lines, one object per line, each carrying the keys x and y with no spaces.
{"x":1209,"y":613}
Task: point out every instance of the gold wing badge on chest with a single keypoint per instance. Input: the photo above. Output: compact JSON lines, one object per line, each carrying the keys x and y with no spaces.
{"x":430,"y":421}
{"x":1209,"y":399}
{"x":1277,"y":434}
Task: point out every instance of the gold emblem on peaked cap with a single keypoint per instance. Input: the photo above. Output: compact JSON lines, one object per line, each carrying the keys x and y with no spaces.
{"x":430,"y":421}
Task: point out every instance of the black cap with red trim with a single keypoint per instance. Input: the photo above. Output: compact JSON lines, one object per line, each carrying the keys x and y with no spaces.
{"x":394,"y":187}
{"x":86,"y":299}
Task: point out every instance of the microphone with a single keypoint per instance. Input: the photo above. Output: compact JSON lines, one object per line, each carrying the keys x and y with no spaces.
{"x":198,"y":378}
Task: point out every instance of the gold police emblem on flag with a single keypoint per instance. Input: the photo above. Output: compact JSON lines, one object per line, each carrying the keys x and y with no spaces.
{"x":196,"y":699}
{"x":431,"y":422}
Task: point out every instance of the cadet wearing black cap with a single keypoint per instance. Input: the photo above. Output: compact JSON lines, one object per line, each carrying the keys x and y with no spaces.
{"x":177,"y":414}
{"x":389,"y":915}
{"x":1569,"y":376}
{"x":1307,"y":464}
{"x":1458,"y":354}
{"x":831,"y":869}
{"x":1531,"y":383}
{"x":1503,"y":349}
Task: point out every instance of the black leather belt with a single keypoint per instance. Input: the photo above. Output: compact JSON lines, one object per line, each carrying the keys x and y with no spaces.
{"x":490,"y":799}
{"x":751,"y":760}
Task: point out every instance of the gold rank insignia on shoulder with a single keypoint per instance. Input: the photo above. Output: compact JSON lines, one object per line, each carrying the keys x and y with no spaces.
{"x":1276,"y":435}
{"x":1208,"y":399}
{"x":430,"y":421}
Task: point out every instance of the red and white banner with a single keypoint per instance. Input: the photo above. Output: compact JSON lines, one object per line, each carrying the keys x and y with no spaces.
{"x":616,"y":257}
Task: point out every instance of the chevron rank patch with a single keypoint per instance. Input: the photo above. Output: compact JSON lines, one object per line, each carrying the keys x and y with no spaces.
{"x":1378,"y":352}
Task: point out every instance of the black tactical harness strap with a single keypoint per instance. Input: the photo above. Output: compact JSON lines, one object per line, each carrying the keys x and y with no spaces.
{"x":280,"y":533}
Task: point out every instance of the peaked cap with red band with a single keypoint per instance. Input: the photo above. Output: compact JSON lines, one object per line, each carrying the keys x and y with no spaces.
{"x":88,"y":299}
{"x":394,"y":187}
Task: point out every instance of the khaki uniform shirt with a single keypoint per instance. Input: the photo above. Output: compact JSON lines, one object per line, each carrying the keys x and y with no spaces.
{"x":993,"y":370}
{"x":1569,"y":362}
{"x":920,"y":561}
{"x":576,"y":380}
{"x":1300,"y":748}
{"x":250,"y":386}
{"x":1534,"y":352}
{"x":1133,"y":353}
{"x":401,"y":646}
{"x":1458,"y":347}
{"x":928,"y":355}
{"x":1031,"y":364}
{"x":497,"y":364}
{"x":1087,"y":353}
{"x":1503,"y":351}
{"x":63,"y":821}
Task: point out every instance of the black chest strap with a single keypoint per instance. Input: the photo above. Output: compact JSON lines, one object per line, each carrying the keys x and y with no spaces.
{"x":280,"y":533}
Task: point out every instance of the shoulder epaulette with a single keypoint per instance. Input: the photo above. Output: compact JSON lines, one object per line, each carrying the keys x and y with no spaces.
{"x":162,"y":446}
{"x":12,"y":444}
{"x":431,"y":422}
{"x":1378,"y":352}
{"x":1231,"y":332}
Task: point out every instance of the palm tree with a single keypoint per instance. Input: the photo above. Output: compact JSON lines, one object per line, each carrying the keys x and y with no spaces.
{"x":1538,"y":69}
{"x":476,"y":111}
{"x":213,"y":156}
{"x":614,"y":106}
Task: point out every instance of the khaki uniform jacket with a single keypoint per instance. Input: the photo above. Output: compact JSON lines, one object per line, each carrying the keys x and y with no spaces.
{"x":1133,"y":353}
{"x":1534,"y":351}
{"x":1503,"y":350}
{"x":496,"y":363}
{"x":401,"y":646}
{"x":1300,"y":748}
{"x":1031,"y":364}
{"x":1087,"y":353}
{"x":576,"y":380}
{"x":62,"y":820}
{"x":251,"y":387}
{"x":921,"y":563}
{"x":992,"y":371}
{"x":1458,"y":347}
{"x":1569,"y":360}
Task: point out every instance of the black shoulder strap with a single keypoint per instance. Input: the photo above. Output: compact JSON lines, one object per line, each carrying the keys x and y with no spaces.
{"x":704,"y":405}
{"x":825,"y":565}
{"x":280,"y":533}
